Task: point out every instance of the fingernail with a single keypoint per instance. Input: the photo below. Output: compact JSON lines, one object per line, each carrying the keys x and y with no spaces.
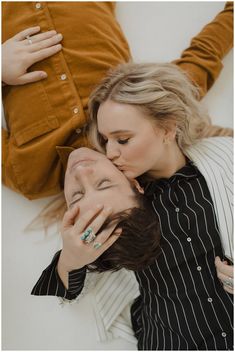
{"x":118,"y":231}
{"x":59,"y":35}
{"x":43,"y":74}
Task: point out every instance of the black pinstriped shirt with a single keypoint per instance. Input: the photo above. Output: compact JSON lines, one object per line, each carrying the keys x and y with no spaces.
{"x":182,"y":305}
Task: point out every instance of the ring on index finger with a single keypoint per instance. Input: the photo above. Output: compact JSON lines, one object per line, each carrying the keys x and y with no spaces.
{"x":88,"y":235}
{"x":29,"y":39}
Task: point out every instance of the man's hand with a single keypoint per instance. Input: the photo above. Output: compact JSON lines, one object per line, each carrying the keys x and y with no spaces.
{"x":23,"y":50}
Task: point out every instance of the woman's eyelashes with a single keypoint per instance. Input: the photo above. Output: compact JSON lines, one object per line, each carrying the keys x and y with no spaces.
{"x":104,"y":141}
{"x":123,"y":141}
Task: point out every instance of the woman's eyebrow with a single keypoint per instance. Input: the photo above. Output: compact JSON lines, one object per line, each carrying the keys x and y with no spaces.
{"x":116,"y":132}
{"x":120,"y":131}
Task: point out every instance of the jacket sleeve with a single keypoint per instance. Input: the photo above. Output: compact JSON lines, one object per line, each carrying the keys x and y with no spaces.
{"x":50,"y":284}
{"x":203,"y":58}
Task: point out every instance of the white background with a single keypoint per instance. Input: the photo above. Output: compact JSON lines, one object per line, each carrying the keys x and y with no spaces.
{"x":156,"y":31}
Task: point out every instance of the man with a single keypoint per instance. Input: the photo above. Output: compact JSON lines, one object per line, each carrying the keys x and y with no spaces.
{"x":45,"y":119}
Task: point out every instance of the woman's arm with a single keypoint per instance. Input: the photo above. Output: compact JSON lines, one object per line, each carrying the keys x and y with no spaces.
{"x":65,"y":276}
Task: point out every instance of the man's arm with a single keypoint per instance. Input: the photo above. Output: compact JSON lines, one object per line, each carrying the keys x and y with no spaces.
{"x":202,"y":60}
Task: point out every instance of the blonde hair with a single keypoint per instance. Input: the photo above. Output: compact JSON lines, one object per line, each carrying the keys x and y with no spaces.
{"x":162,"y":91}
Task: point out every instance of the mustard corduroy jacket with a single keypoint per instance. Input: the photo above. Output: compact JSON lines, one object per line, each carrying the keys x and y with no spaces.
{"x":45,"y":118}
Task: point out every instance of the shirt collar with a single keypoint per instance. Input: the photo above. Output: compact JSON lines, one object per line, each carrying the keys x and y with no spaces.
{"x":186,"y":172}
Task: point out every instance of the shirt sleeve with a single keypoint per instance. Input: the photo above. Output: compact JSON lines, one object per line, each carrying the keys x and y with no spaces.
{"x":50,"y":284}
{"x":203,"y":58}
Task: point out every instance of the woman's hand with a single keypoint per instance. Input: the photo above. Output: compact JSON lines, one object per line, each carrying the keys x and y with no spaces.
{"x":76,"y":253}
{"x":23,"y":50}
{"x":225,"y":274}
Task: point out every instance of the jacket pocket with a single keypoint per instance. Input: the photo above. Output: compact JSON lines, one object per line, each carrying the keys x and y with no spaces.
{"x":35,"y":130}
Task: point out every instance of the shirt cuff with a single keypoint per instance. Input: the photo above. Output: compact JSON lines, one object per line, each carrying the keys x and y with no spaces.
{"x":50,"y":284}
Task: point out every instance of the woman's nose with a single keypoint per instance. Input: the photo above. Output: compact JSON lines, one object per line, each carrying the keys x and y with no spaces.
{"x":112,"y":151}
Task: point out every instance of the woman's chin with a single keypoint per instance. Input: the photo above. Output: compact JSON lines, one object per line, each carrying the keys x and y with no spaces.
{"x":129,"y":174}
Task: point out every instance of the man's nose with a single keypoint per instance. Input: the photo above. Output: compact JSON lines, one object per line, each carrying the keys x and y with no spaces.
{"x":112,"y":151}
{"x":83,"y":171}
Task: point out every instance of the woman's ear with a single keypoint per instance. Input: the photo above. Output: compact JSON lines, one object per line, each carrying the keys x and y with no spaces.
{"x":170,"y":131}
{"x":137,"y":186}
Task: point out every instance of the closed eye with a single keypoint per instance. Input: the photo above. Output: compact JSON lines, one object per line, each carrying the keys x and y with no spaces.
{"x":103,"y":182}
{"x":101,"y":185}
{"x":78,"y":198}
{"x":123,"y":141}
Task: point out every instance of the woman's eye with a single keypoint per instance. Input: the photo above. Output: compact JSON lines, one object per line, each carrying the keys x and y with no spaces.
{"x":123,"y":141}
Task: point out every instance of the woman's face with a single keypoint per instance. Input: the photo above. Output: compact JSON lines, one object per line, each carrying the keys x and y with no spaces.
{"x":92,"y":179}
{"x":133,"y":143}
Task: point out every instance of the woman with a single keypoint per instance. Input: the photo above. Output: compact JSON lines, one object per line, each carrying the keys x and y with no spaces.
{"x":92,"y":43}
{"x":147,"y":118}
{"x":140,"y":117}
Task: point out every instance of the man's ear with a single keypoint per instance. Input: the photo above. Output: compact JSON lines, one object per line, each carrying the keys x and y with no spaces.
{"x":137,"y":186}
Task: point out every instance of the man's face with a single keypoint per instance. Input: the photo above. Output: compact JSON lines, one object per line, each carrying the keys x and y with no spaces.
{"x":92,"y":179}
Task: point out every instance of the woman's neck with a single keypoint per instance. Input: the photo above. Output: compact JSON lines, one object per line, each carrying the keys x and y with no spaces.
{"x":172,"y":161}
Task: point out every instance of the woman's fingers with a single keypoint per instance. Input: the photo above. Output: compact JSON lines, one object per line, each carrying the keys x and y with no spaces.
{"x":70,"y":217}
{"x":109,"y":242}
{"x":23,"y":34}
{"x":222,"y":268}
{"x":225,"y":274}
{"x":45,"y":43}
{"x":93,"y":219}
{"x":83,"y":222}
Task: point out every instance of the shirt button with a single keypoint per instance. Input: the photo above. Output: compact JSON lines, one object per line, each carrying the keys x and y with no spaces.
{"x":224,"y":334}
{"x":199,"y":268}
{"x":38,"y":5}
{"x":177,"y":210}
{"x":189,"y":239}
{"x":209,"y":299}
{"x":75,"y":110}
{"x":78,"y":130}
{"x":63,"y":77}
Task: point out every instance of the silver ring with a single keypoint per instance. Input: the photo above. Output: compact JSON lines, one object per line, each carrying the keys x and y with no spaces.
{"x":228,"y":282}
{"x":88,"y":236}
{"x":97,"y":245}
{"x":29,"y":40}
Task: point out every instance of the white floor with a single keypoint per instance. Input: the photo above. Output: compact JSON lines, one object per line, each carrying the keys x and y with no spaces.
{"x":157,"y":31}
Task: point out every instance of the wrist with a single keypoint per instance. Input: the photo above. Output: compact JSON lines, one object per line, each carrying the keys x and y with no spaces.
{"x":67,"y":263}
